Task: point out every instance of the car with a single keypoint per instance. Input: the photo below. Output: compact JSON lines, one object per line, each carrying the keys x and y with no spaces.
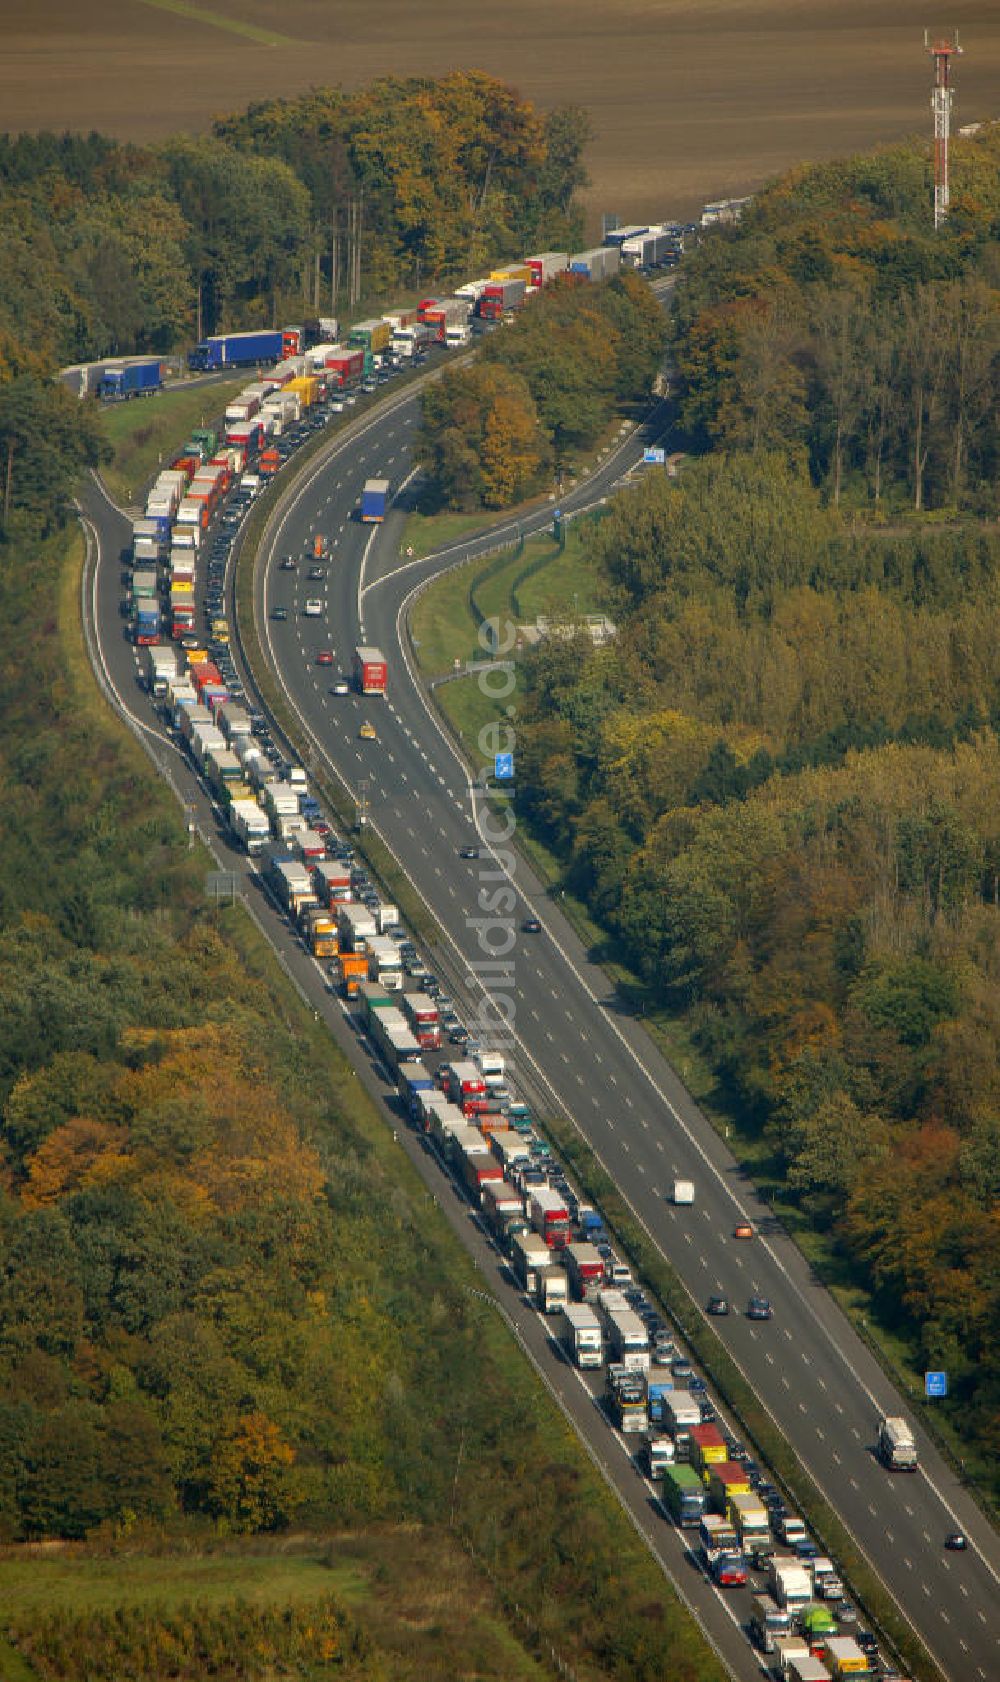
{"x":407,"y":949}
{"x":336,"y":407}
{"x":322,"y":827}
{"x":718,"y":1305}
{"x":531,"y":925}
{"x":736,"y":1451}
{"x":846,"y":1613}
{"x":458,"y":1035}
{"x":681,"y":1367}
{"x":758,"y":1308}
{"x":707,"y":1411}
{"x":956,"y":1541}
{"x":697,"y":1386}
{"x":313,"y":608}
{"x":866,"y":1640}
{"x":806,"y":1549}
{"x":468,"y":852}
{"x":414,"y":969}
{"x":340,"y":687}
{"x":316,"y":574}
{"x":288,"y":563}
{"x":743,"y":1229}
{"x":279,"y":613}
{"x":368,"y":732}
{"x":325,"y":657}
{"x":430,"y":984}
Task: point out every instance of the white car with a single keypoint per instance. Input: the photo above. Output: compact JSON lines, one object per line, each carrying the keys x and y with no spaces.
{"x":313,"y":608}
{"x":340,"y":688}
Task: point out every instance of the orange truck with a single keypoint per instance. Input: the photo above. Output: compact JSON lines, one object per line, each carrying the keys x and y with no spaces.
{"x":353,"y":971}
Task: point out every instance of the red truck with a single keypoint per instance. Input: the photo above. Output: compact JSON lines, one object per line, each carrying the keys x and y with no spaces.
{"x":477,"y":1169}
{"x":425,"y":1020}
{"x":585,"y":1266}
{"x":270,"y":461}
{"x":499,"y":297}
{"x":549,"y":1216}
{"x":369,"y":671}
{"x":462,"y":1082}
{"x":344,"y":366}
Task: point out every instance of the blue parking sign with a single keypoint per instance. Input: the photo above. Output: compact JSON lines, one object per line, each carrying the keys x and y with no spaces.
{"x":503,"y":767}
{"x":935,"y":1384}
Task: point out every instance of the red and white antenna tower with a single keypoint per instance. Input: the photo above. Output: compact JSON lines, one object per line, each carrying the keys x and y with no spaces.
{"x":941,"y":51}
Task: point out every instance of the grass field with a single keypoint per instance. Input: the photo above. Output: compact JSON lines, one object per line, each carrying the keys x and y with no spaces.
{"x":690,"y":99}
{"x":538,"y":579}
{"x":144,"y":432}
{"x":406,"y":1588}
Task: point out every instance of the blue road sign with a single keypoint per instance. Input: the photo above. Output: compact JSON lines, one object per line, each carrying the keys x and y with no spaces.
{"x":503,"y":767}
{"x":935,"y":1383}
{"x":654,"y":457}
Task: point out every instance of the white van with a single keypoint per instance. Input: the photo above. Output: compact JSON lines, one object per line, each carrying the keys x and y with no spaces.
{"x":683,"y":1192}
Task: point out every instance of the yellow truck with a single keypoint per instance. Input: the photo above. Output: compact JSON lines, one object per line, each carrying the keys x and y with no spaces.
{"x":516,"y":271}
{"x":307,"y":386}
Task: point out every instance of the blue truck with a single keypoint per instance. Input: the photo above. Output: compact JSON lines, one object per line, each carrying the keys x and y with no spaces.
{"x":242,"y":350}
{"x":147,"y":623}
{"x":414,"y":1079}
{"x":129,"y":379}
{"x":374,"y":499}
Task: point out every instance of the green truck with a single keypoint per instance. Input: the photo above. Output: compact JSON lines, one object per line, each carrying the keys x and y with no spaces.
{"x":683,"y":1495}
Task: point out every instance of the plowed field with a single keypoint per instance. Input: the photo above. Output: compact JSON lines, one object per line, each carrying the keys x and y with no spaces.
{"x":691,"y":99}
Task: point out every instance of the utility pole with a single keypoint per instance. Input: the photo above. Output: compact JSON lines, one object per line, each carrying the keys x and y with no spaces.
{"x":941,"y":51}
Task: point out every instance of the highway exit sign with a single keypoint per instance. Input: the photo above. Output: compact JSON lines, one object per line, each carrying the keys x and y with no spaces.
{"x":503,"y":767}
{"x":935,"y":1384}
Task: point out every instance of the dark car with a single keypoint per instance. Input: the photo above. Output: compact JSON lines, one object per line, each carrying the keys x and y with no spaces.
{"x":468,"y":852}
{"x":956,"y":1542}
{"x":707,"y":1411}
{"x":458,"y":1036}
{"x":531,"y":925}
{"x":758,"y":1308}
{"x":279,"y":613}
{"x":718,"y":1305}
{"x":288,"y":563}
{"x":697,"y":1386}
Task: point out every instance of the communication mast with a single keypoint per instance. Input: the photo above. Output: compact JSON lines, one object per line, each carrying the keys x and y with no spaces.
{"x":941,"y":51}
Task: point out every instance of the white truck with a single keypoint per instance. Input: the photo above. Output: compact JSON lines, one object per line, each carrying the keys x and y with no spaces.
{"x":682,"y":1193}
{"x":529,"y":1255}
{"x":551,"y":1289}
{"x":384,"y":963}
{"x":897,"y":1448}
{"x":250,"y":825}
{"x":581,"y":1333}
{"x":627,"y":1337}
{"x":789,"y":1582}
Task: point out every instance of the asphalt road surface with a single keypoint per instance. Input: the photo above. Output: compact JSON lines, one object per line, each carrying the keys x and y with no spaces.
{"x":575,"y":1048}
{"x":576,"y":1052}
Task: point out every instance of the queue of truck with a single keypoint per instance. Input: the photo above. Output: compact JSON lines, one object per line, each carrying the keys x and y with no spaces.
{"x":555,"y":1246}
{"x":461,"y":1097}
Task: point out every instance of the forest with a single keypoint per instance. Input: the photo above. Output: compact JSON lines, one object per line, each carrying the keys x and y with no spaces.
{"x":837,"y":322}
{"x":228,"y":1310}
{"x":778,"y":790}
{"x":301,"y":205}
{"x":550,"y":384}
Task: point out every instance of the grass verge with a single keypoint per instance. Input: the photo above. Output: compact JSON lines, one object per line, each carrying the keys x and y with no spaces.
{"x":145,"y":432}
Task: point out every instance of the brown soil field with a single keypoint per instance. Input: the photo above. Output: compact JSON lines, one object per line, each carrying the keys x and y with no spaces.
{"x":690,"y":99}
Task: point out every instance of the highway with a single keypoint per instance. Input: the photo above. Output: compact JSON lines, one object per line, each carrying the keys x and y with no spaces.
{"x":116,"y":667}
{"x":576,"y":1050}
